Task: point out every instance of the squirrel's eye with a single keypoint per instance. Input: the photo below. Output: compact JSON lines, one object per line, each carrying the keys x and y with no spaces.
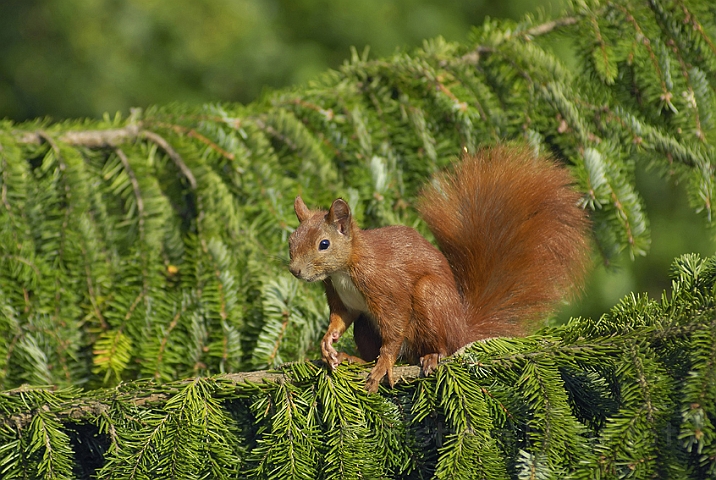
{"x":324,"y":244}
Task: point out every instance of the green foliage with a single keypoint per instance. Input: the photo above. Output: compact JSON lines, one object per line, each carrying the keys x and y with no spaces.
{"x":193,"y":436}
{"x":630,"y":395}
{"x":154,"y":247}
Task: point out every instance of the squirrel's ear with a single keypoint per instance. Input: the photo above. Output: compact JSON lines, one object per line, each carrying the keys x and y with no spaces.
{"x":340,"y":216}
{"x":302,"y":211}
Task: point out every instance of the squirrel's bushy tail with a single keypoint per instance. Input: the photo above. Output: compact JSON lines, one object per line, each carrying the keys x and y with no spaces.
{"x":510,"y":226}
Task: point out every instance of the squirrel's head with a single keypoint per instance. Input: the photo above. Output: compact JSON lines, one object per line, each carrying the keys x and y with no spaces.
{"x":321,"y":245}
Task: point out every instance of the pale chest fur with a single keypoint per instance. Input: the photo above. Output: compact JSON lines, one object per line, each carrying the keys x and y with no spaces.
{"x":348,"y":293}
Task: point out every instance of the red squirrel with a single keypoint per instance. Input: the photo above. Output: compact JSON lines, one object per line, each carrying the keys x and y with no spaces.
{"x":513,"y":241}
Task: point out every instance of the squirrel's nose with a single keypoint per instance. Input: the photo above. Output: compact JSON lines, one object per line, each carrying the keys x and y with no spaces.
{"x":296,"y":271}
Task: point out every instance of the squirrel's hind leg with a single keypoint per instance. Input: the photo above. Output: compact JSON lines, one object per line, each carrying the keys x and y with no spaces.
{"x":439,"y":325}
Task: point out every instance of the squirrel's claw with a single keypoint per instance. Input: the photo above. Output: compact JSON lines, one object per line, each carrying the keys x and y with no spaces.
{"x":429,"y":363}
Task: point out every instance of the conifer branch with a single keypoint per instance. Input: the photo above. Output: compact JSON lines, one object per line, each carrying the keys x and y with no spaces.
{"x":111,"y":138}
{"x":87,"y":138}
{"x":93,"y":295}
{"x":201,"y":288}
{"x":3,"y":188}
{"x":473,"y":57}
{"x":162,"y":346}
{"x":135,"y":186}
{"x":666,"y":95}
{"x":94,"y":405}
{"x":193,"y":133}
{"x":169,"y":150}
{"x":548,"y":27}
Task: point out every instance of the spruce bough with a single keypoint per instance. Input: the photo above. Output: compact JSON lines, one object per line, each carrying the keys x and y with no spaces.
{"x":631,"y":394}
{"x":138,"y":252}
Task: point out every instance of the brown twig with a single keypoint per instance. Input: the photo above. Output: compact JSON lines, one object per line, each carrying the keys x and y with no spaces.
{"x":111,"y":138}
{"x":541,"y":29}
{"x":87,"y":138}
{"x":547,"y":27}
{"x":169,"y":150}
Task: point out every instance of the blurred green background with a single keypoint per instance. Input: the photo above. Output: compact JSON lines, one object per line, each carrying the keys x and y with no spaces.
{"x":73,"y":58}
{"x":77,"y":58}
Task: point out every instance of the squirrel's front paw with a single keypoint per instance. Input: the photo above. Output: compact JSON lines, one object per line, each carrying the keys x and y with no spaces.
{"x":329,"y":354}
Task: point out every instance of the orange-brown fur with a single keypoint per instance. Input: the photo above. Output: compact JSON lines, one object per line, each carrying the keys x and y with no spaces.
{"x":513,"y":240}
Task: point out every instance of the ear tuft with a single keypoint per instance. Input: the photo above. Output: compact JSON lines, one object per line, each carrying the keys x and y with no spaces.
{"x":302,"y":211}
{"x":340,"y":216}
